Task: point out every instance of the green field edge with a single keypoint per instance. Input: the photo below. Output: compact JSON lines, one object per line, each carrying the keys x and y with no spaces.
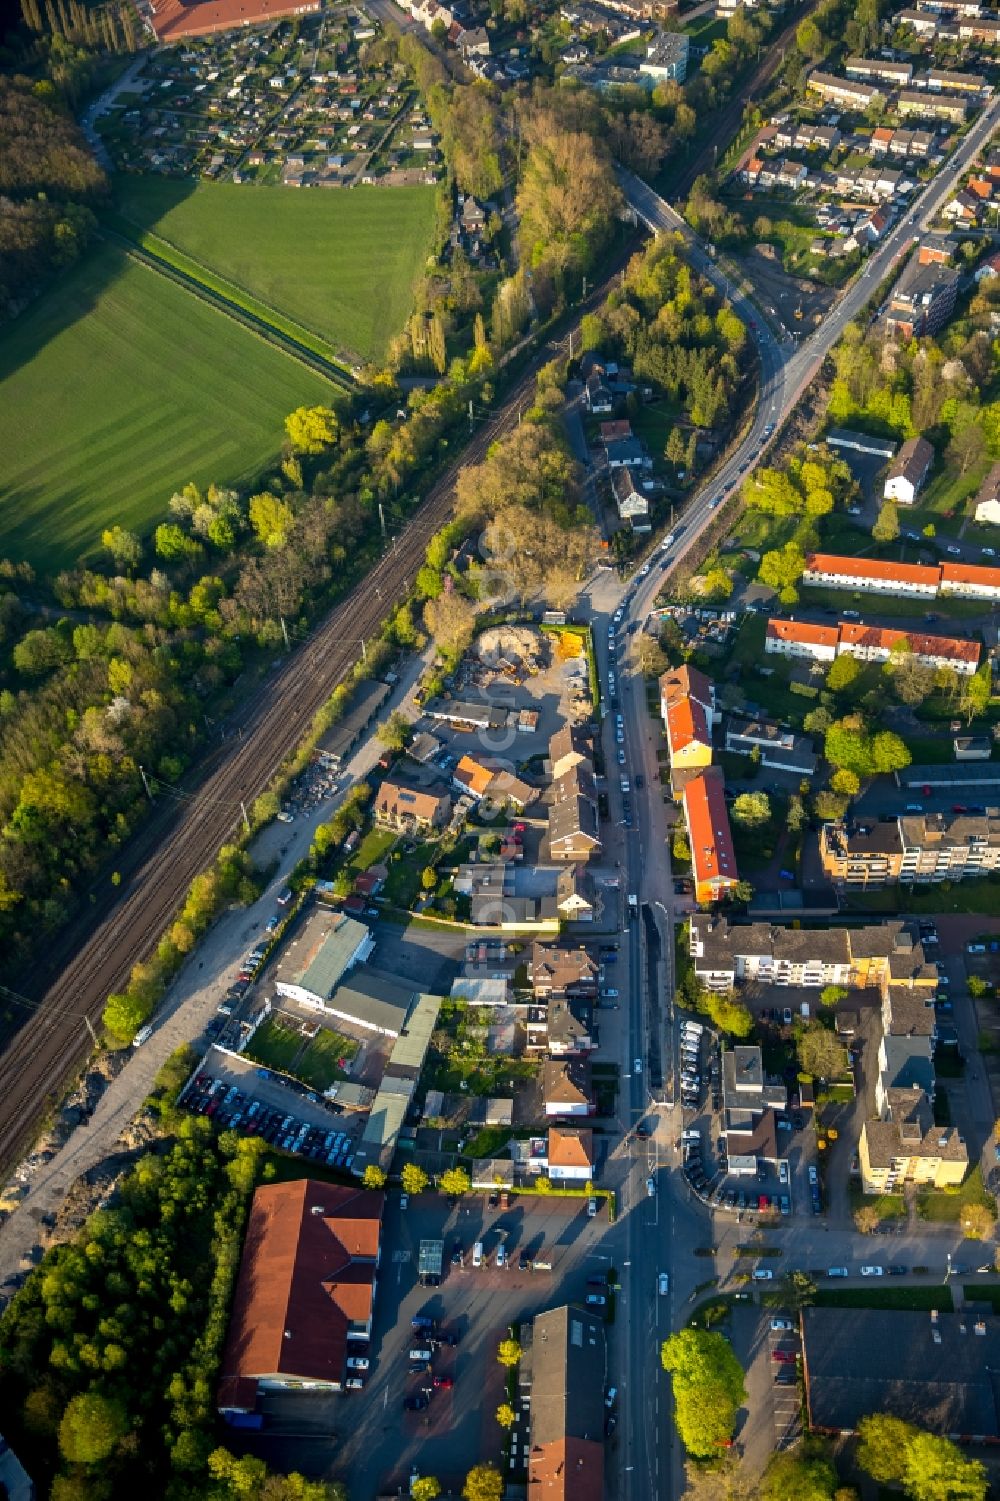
{"x":301,"y":343}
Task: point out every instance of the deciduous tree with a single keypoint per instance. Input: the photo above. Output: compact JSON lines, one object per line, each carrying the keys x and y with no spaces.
{"x":751,"y":809}
{"x":413,"y":1178}
{"x":708,"y":1389}
{"x":820,"y":1053}
{"x":483,"y":1483}
{"x":91,"y":1427}
{"x":312,"y":429}
{"x":508,"y":1352}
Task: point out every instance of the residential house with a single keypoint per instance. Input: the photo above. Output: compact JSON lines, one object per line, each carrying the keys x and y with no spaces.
{"x":574,"y":824}
{"x":713,"y":858}
{"x":596,"y":394}
{"x":872,"y":575}
{"x":628,"y":452}
{"x":509,"y":791}
{"x":970,"y":582}
{"x":562,"y":970}
{"x":574,"y":895}
{"x":566,"y":1087}
{"x":615,"y":431}
{"x":937,"y":250}
{"x":687,"y":707}
{"x":799,"y":638}
{"x":928,"y":105}
{"x":988,"y":495}
{"x":306,"y":1288}
{"x":570,"y":1154}
{"x":908,"y":471}
{"x":632,"y":504}
{"x":985,"y":29}
{"x":958,"y":83}
{"x":964,"y":209}
{"x":923,"y":22}
{"x":411,"y":810}
{"x":848,"y":93}
{"x":988,"y":268}
{"x":570,"y":746}
{"x":872,"y":643}
{"x":473,"y":777}
{"x":896,"y":74}
{"x":775,"y":746}
{"x":564,"y":1452}
{"x":749,"y":1102}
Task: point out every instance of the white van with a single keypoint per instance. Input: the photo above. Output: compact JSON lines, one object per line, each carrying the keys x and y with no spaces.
{"x":695,"y":1028}
{"x":421,"y":1357}
{"x":143,"y":1035}
{"x":477,"y":1253}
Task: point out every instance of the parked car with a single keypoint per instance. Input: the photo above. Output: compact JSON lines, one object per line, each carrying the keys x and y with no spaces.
{"x":763,"y":1274}
{"x":780,"y":1325}
{"x":416,"y":1403}
{"x":871,"y":1271}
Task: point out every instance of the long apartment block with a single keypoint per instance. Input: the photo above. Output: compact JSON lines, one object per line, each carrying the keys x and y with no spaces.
{"x":727,"y":955}
{"x":921,"y":580}
{"x":868,"y":643}
{"x":913,"y":848}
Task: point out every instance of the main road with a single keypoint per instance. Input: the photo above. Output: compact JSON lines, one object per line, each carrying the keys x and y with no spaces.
{"x":660,"y":1231}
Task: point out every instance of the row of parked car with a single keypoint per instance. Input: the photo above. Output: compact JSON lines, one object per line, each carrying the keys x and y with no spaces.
{"x":232,"y":1108}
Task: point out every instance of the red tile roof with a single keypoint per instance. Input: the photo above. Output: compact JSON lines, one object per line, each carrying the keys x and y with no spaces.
{"x":307,"y":1275}
{"x":968,"y":573}
{"x":685,"y":682}
{"x":568,"y":1148}
{"x":802,"y":631}
{"x":564,"y":1468}
{"x":712,"y":855}
{"x":687,"y":724}
{"x":174,"y":18}
{"x":903,"y":573}
{"x":874,"y":637}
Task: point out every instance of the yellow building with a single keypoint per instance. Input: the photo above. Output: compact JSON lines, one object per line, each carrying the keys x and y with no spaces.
{"x":687,"y":707}
{"x":907,"y":1147}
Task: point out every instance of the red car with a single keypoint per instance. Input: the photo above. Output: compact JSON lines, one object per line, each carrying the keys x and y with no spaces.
{"x":444,"y":1383}
{"x":783,"y":1357}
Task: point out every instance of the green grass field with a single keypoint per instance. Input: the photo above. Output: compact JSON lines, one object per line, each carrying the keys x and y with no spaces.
{"x":341,"y":263}
{"x":118,"y":387}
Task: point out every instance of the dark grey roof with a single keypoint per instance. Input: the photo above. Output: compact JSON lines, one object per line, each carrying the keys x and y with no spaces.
{"x":859,"y":1361}
{"x":568,"y":1368}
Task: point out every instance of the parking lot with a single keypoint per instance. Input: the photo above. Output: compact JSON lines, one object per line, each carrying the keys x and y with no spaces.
{"x":237,"y":1093}
{"x":367,"y":1438}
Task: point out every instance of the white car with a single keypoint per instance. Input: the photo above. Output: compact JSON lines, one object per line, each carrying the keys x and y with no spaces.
{"x":358,"y":1363}
{"x":763,"y":1274}
{"x":663,"y":1284}
{"x":781,"y":1325}
{"x":782,"y":1172}
{"x":619,"y":613}
{"x":813,"y":1175}
{"x":872,"y":1271}
{"x":651,"y":1188}
{"x":637,"y":1066}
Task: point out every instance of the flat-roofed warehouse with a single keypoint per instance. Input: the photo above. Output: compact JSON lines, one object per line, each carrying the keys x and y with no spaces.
{"x":317,"y":957}
{"x":373,"y":1000}
{"x":938,"y":1371}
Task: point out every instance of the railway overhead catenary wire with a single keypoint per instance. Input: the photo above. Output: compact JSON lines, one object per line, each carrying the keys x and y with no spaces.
{"x":183,"y":839}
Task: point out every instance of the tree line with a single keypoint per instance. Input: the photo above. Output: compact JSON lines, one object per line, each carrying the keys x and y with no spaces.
{"x":49,"y":187}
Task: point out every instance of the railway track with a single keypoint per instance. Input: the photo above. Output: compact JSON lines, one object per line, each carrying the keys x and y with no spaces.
{"x":182,"y":840}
